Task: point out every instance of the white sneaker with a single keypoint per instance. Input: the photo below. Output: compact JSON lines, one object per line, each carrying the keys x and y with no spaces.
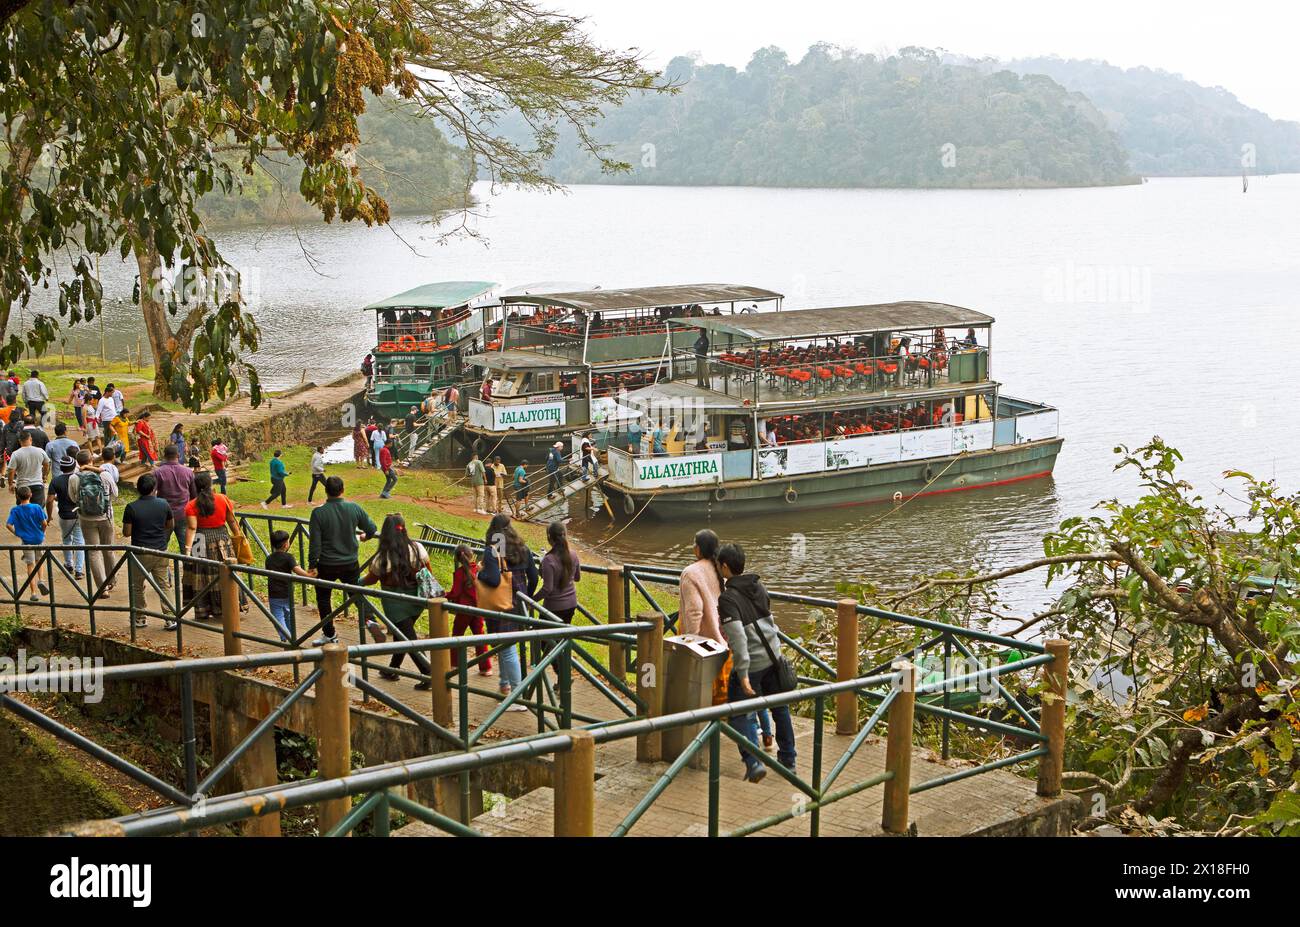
{"x":322,"y":641}
{"x":517,"y":707}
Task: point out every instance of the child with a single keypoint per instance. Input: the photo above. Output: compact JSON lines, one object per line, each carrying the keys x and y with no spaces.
{"x":464,"y":593}
{"x":27,"y":522}
{"x":91,"y":430}
{"x":220,"y":456}
{"x":279,"y":592}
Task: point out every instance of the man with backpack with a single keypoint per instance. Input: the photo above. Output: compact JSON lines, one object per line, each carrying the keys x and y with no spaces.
{"x":477,"y":478}
{"x":94,"y":489}
{"x":757,"y":667}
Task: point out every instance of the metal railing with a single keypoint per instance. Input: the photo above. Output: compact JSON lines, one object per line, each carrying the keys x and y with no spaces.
{"x":938,"y":676}
{"x":891,"y":691}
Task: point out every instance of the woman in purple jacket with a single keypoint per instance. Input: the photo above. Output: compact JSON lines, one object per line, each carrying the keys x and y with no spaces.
{"x":560,"y":574}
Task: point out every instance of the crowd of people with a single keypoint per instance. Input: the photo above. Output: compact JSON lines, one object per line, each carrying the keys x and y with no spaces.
{"x":720,"y":600}
{"x":76,"y":485}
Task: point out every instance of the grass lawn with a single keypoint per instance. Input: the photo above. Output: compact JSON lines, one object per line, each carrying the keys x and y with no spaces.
{"x":416,"y":497}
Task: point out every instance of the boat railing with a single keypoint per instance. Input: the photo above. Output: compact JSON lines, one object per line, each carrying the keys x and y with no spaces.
{"x":743,"y":374}
{"x":423,"y":331}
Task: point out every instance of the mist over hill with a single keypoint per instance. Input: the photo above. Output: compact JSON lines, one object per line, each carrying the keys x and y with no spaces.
{"x":1172,"y":126}
{"x":843,"y":119}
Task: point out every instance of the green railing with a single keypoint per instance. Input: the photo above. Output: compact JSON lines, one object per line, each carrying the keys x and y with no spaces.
{"x":891,"y":692}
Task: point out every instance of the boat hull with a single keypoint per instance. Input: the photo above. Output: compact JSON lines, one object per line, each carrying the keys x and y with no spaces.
{"x":516,"y":445}
{"x":882,"y":483}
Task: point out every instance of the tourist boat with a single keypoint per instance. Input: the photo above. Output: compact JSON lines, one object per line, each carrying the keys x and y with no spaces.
{"x":826,"y":407}
{"x":556,"y":364}
{"x":421,"y":337}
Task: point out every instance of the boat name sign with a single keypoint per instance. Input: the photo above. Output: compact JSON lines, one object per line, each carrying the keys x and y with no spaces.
{"x":678,"y":471}
{"x":528,"y":415}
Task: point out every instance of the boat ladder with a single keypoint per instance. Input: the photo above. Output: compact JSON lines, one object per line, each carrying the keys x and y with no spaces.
{"x":429,"y":432}
{"x":572,"y":482}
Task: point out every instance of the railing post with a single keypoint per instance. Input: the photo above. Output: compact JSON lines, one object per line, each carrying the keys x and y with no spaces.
{"x":229,"y":609}
{"x":440,"y":663}
{"x":1052,"y":720}
{"x":898,"y":752}
{"x":846,"y":665}
{"x":333,"y":731}
{"x":649,"y":682}
{"x":575,"y":787}
{"x":617,"y":655}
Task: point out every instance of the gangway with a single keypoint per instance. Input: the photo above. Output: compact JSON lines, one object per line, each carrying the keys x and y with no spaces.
{"x":572,"y":481}
{"x":429,"y":432}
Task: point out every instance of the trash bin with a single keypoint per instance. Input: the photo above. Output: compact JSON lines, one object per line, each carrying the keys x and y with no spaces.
{"x":691,"y":663}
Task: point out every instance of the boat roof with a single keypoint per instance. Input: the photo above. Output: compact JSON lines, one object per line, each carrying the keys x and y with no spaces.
{"x":646,"y":297}
{"x":436,"y":295}
{"x":522,"y":360}
{"x":839,"y":320}
{"x":680,"y":392}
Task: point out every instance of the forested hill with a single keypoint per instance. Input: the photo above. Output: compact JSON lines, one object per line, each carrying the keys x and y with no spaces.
{"x":403,"y":155}
{"x":841,"y":119}
{"x":1172,"y":126}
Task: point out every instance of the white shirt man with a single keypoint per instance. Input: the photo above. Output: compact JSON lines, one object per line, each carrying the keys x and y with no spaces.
{"x":34,"y":391}
{"x":107,"y":409}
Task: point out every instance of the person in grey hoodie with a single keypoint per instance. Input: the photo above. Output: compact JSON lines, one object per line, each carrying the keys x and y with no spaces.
{"x":745,"y":611}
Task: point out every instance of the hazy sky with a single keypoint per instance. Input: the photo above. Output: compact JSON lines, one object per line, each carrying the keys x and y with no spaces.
{"x":1248,"y":48}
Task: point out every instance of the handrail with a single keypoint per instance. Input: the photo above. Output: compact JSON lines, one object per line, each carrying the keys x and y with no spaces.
{"x":537,"y":627}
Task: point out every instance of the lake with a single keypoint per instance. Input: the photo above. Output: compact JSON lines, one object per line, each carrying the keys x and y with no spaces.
{"x":1166,"y":308}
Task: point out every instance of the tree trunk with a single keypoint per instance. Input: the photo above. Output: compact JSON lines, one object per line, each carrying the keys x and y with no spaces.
{"x":163,"y":340}
{"x":23,"y":155}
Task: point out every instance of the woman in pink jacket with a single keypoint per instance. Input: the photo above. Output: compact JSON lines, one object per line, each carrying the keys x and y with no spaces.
{"x":700,"y":588}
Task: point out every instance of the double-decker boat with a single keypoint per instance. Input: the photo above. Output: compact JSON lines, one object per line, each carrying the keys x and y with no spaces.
{"x":422,"y":335}
{"x":825,"y":407}
{"x":558,"y":364}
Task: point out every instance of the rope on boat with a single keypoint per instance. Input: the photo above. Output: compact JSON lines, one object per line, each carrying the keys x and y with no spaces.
{"x":918,"y":492}
{"x":629,"y":524}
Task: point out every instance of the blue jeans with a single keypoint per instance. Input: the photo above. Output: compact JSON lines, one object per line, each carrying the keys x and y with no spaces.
{"x":374,"y":452}
{"x":763,"y":682}
{"x":280,"y":609}
{"x":221,"y":480}
{"x":390,"y":480}
{"x":70,"y":530}
{"x":764,"y":721}
{"x":511,"y":673}
{"x":179,"y":531}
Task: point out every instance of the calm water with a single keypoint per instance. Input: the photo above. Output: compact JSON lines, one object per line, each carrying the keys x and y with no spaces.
{"x":1167,"y":308}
